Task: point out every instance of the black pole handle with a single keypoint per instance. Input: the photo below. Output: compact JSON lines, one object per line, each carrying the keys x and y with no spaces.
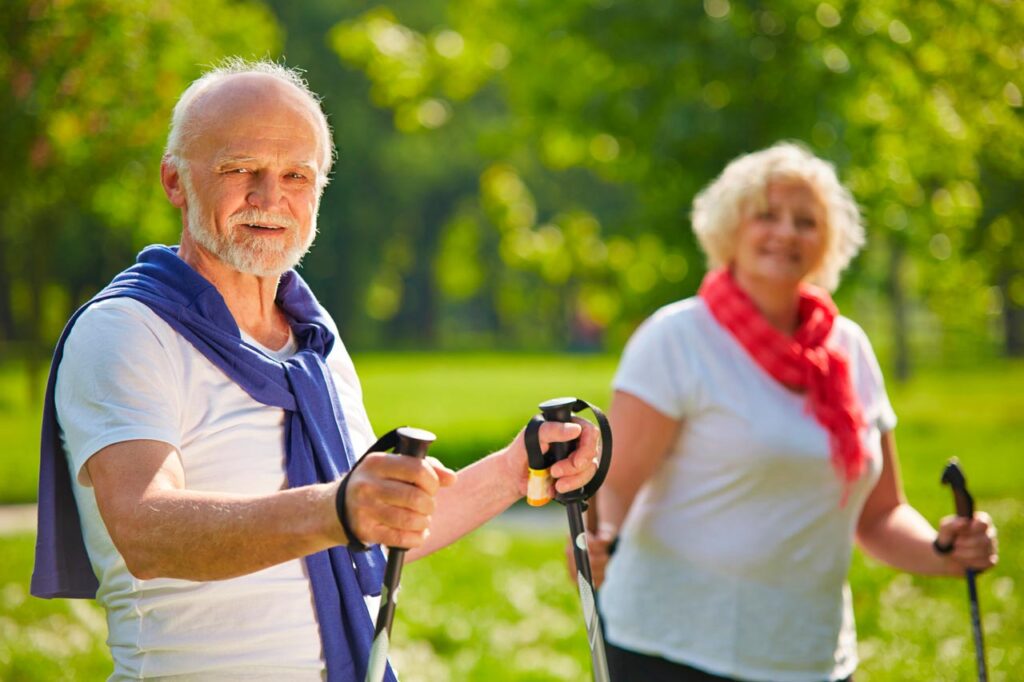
{"x":405,"y":440}
{"x":954,"y":478}
{"x":561,"y":410}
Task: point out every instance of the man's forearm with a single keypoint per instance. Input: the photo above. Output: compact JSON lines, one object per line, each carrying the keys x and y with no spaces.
{"x":195,"y":535}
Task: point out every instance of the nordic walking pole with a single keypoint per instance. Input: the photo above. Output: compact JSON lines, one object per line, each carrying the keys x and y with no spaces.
{"x":954,"y":477}
{"x":575,"y":501}
{"x":413,"y":443}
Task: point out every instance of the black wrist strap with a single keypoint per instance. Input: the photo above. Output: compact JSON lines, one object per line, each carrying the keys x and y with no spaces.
{"x":354,"y":544}
{"x":940,"y":548}
{"x":388,"y":441}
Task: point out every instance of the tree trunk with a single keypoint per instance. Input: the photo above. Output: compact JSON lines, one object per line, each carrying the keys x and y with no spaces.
{"x":898,"y":306}
{"x":1013,"y":319}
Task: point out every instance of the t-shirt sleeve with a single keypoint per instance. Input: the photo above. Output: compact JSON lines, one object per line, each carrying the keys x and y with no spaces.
{"x":117,"y":381}
{"x":654,"y":367}
{"x":350,"y":393}
{"x":870,"y":382}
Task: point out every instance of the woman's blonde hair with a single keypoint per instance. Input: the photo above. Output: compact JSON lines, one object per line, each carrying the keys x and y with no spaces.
{"x":718,"y":208}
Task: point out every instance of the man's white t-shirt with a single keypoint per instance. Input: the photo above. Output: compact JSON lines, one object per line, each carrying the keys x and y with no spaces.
{"x":127,"y":375}
{"x":733,"y":557}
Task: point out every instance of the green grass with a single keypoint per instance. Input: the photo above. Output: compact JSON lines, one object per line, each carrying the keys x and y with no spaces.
{"x":497,"y":606}
{"x":19,"y":426}
{"x":62,"y":639}
{"x":475,"y":403}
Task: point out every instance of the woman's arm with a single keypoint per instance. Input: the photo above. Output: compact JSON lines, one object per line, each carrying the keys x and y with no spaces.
{"x":892,"y":531}
{"x":642,"y":438}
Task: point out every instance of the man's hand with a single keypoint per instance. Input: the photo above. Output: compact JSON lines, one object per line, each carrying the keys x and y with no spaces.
{"x":573,"y":472}
{"x":390,"y":499}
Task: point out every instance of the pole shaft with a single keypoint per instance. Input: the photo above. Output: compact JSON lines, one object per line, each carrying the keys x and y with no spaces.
{"x":588,"y":595}
{"x":979,"y":642}
{"x":389,"y":590}
{"x":378,"y":660}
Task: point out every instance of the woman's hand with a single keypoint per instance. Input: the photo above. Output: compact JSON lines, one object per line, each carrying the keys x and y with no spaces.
{"x":598,"y":548}
{"x":973,"y":541}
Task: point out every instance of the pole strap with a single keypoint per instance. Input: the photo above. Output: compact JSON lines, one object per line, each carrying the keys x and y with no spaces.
{"x":388,"y":441}
{"x":540,"y":461}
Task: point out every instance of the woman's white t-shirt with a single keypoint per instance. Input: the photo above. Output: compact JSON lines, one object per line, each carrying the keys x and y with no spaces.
{"x":127,"y":375}
{"x":733,"y":557}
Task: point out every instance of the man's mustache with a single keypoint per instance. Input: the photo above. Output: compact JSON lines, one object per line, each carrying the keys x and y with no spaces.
{"x":254,"y":216}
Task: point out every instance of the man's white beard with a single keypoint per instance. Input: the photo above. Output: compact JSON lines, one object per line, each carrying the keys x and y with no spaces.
{"x":245,"y":253}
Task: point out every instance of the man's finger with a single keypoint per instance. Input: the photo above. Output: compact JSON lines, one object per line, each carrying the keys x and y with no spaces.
{"x":412,"y":470}
{"x":557,"y":432}
{"x":445,"y":476}
{"x":564,"y":484}
{"x":391,"y":493}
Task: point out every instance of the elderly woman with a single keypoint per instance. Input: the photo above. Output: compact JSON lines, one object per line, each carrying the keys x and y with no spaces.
{"x":754,"y":443}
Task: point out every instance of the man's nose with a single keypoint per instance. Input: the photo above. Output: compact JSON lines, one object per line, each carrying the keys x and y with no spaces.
{"x":266,"y":192}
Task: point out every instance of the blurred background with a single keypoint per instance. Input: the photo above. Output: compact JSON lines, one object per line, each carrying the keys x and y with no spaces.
{"x":511,"y":198}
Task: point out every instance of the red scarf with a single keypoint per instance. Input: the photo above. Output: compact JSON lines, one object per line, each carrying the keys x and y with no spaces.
{"x":800,"y":362}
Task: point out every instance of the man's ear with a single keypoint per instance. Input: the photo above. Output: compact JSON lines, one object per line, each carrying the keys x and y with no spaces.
{"x":170,"y":178}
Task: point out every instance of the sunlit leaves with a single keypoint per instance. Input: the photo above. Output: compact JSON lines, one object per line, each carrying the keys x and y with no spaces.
{"x":85,"y":107}
{"x":622,"y":111}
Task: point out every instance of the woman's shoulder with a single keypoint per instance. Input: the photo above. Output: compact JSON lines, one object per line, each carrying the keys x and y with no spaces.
{"x":846,"y":328}
{"x":679,"y":325}
{"x":679,"y":318}
{"x":685,"y":312}
{"x":851,"y":337}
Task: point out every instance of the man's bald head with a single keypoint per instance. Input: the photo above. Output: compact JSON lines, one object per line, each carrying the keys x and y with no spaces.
{"x":237,"y":84}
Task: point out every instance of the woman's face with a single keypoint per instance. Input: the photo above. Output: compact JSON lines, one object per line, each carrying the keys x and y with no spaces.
{"x":784,"y":240}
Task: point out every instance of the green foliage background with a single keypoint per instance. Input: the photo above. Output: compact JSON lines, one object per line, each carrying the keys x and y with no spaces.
{"x":518,"y":175}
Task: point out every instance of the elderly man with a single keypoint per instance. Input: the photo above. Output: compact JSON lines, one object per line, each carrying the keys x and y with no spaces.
{"x":202,"y":414}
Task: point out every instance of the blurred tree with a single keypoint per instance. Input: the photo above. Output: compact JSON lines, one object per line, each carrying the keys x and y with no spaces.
{"x":598,"y":120}
{"x":379,"y":218}
{"x":87,"y":90}
{"x":527,"y":173}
